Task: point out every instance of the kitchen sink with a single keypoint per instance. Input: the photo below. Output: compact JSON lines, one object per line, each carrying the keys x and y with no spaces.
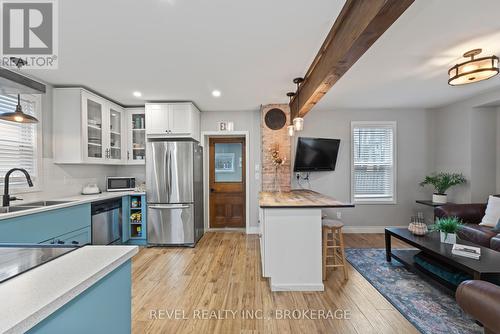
{"x":33,"y":205}
{"x":45,"y":203}
{"x":16,"y":208}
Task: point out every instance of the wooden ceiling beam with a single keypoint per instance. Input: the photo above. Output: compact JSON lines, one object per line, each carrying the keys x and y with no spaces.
{"x":359,"y":24}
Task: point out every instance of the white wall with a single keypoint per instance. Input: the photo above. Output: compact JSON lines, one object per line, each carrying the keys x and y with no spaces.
{"x":243,"y":121}
{"x":483,"y":154}
{"x":414,"y":138}
{"x":467,"y":141}
{"x":498,"y":153}
{"x":452,"y":147}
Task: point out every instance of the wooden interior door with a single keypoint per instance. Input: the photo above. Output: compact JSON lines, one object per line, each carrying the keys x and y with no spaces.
{"x":227,"y":182}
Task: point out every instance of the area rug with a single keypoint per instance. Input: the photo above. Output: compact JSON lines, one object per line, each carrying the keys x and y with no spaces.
{"x":430,"y":310}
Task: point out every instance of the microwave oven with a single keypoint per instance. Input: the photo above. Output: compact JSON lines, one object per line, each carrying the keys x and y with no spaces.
{"x":116,"y":183}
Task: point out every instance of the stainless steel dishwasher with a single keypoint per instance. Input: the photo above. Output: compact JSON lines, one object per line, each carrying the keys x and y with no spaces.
{"x":106,"y":222}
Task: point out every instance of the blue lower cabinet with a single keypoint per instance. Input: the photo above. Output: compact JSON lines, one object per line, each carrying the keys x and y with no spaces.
{"x":136,"y":216}
{"x":76,"y":238}
{"x":44,"y":226}
{"x":103,"y":308}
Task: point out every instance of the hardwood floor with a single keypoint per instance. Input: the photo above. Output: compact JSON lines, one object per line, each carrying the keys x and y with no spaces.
{"x":223,"y":273}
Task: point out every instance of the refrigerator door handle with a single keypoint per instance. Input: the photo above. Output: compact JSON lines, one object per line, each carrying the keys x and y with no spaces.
{"x":171,"y":206}
{"x":169,"y":173}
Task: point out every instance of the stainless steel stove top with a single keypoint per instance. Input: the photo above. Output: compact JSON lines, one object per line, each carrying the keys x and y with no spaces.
{"x":17,"y":259}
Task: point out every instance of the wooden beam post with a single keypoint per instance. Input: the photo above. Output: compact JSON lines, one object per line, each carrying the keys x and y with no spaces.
{"x":359,"y":24}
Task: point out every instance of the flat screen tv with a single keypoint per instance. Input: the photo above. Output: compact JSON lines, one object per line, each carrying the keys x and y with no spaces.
{"x":316,"y":154}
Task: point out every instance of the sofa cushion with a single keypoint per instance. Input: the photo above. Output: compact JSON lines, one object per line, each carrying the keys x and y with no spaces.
{"x":495,"y":243}
{"x":497,"y":228}
{"x":492,"y":214}
{"x":477,"y":234}
{"x":468,"y":213}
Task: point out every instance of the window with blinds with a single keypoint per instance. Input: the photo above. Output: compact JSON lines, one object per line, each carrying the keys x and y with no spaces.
{"x":373,"y":162}
{"x":18,"y":142}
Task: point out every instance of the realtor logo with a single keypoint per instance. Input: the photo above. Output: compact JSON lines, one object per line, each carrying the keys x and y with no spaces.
{"x":29,"y":33}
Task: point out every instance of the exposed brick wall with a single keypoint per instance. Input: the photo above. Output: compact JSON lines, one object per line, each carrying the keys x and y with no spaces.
{"x":271,"y":139}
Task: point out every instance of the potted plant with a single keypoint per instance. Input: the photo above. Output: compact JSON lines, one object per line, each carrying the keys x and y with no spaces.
{"x":447,"y":227}
{"x":442,"y":182}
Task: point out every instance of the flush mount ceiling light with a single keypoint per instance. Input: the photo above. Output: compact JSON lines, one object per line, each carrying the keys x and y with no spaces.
{"x":18,"y":116}
{"x":216,"y":93}
{"x":137,"y":94}
{"x":291,"y":127}
{"x":473,"y":70}
{"x":298,"y":122}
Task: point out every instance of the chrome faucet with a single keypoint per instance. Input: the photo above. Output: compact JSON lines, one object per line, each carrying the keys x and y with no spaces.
{"x":6,"y":197}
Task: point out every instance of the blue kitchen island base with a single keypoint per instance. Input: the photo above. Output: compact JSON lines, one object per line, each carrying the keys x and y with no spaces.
{"x":103,"y":308}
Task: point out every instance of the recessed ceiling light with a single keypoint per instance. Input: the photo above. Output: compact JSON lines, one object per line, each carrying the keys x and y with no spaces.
{"x":216,"y":93}
{"x":137,"y":94}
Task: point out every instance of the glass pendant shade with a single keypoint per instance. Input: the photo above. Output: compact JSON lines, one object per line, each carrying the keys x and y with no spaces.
{"x":18,"y":116}
{"x":298,"y":123}
{"x":291,"y":130}
{"x":473,"y":70}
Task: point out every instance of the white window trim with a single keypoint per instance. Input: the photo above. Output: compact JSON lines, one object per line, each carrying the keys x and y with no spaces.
{"x":38,"y":180}
{"x":378,"y":201}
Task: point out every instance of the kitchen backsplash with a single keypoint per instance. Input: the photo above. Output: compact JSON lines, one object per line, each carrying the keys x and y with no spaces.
{"x":68,"y":180}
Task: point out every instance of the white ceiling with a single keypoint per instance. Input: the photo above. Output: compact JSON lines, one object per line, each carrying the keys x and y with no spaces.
{"x":408,"y":66}
{"x":251,"y":50}
{"x":184,"y":49}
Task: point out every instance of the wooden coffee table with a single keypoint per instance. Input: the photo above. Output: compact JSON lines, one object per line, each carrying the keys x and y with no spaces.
{"x":488,"y":266}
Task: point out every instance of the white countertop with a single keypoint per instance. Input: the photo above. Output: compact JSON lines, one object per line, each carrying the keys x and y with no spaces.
{"x":75,"y":200}
{"x":34,"y":295}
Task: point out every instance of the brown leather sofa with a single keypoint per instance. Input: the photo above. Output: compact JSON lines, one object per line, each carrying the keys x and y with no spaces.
{"x":481,"y":300}
{"x":471,"y":215}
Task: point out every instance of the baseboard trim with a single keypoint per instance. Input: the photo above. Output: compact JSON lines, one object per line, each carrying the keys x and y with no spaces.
{"x":253,"y":230}
{"x":346,"y":229}
{"x":367,"y":229}
{"x":300,"y":287}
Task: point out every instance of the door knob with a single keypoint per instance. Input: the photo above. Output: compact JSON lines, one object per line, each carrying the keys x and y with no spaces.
{"x":212,"y":190}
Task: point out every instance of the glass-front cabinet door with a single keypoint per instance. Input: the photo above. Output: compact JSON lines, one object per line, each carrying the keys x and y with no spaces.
{"x":116,"y":135}
{"x":93,"y":109}
{"x":136,"y":153}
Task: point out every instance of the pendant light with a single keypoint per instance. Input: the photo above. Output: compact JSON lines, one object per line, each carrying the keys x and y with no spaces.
{"x":298,"y":122}
{"x":18,"y":116}
{"x":473,"y":70}
{"x":291,"y":127}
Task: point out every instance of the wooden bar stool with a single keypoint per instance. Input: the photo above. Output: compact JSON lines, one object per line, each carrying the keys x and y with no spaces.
{"x":333,"y":228}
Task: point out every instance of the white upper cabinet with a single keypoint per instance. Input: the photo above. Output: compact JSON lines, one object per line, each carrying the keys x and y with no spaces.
{"x":178,"y":120}
{"x":157,"y":119}
{"x":136,"y":120}
{"x":93,"y":137}
{"x":117,"y":138}
{"x":88,"y":128}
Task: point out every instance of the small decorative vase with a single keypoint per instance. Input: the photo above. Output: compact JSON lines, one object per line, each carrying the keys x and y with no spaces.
{"x":277,"y":183}
{"x":418,"y":228}
{"x":450,"y":238}
{"x":439,"y":198}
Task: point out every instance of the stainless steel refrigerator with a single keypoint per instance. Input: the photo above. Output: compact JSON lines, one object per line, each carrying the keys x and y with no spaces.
{"x":174,"y":180}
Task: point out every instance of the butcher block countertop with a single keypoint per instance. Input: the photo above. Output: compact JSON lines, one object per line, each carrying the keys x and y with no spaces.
{"x":301,"y":198}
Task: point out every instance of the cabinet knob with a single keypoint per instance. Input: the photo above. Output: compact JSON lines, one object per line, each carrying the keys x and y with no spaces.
{"x":74,"y":242}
